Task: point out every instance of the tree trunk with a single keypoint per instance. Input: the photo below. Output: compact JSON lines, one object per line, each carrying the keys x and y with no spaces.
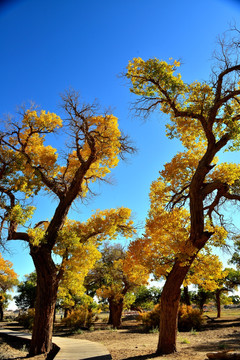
{"x":186,"y":297}
{"x":116,"y":309}
{"x":218,"y":303}
{"x":67,"y":312}
{"x":47,"y":287}
{"x":1,"y":311}
{"x":170,"y":299}
{"x":110,"y":319}
{"x":203,"y":297}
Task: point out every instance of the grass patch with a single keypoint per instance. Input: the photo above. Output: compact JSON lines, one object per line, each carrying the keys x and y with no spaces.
{"x":154,"y":331}
{"x":185,"y":341}
{"x":193,"y":332}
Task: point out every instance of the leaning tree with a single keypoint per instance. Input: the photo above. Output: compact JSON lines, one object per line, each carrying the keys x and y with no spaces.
{"x":90,"y":146}
{"x":205,"y":117}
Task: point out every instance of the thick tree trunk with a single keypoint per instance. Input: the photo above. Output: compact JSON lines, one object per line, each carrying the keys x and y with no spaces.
{"x":47,"y":287}
{"x":170,"y":299}
{"x":116,"y":309}
{"x":218,"y":303}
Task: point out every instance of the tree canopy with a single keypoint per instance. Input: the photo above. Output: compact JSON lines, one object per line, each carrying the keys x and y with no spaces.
{"x":29,"y":166}
{"x":204,"y":116}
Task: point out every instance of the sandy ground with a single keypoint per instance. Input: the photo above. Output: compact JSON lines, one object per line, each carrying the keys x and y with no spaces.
{"x":131,"y":343}
{"x":11,"y":349}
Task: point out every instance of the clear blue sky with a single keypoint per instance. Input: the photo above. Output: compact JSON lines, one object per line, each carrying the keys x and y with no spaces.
{"x":48,"y":46}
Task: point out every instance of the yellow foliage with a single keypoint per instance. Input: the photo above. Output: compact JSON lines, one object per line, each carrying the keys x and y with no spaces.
{"x":206,"y":271}
{"x":77,"y":245}
{"x":106,"y":153}
{"x":8,"y":277}
{"x":33,"y":155}
{"x":227,"y":173}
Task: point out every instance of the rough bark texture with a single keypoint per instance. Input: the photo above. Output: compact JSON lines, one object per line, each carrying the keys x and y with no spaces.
{"x":116,"y":309}
{"x":170,"y":299}
{"x":47,"y":286}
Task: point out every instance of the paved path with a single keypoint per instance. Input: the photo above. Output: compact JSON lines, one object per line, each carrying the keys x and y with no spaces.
{"x":70,"y":349}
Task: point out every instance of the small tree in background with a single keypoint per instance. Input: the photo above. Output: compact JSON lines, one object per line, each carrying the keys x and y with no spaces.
{"x":8,"y":279}
{"x":113,"y":280}
{"x":27,"y":292}
{"x":146,"y":298}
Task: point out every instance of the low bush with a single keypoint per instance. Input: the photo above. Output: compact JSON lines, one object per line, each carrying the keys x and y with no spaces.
{"x":151,"y":319}
{"x":83,"y":317}
{"x":189,"y":318}
{"x":26,"y":319}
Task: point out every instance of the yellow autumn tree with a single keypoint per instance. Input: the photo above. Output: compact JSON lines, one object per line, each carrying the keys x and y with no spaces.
{"x":204,"y":116}
{"x":29,"y":166}
{"x":8,"y":279}
{"x":79,"y":256}
{"x":113,"y":279}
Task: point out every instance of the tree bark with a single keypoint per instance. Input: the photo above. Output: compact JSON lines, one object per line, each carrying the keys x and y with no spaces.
{"x":67,"y":312}
{"x":110,"y":320}
{"x":116,"y":309}
{"x":1,"y":311}
{"x":218,"y":303}
{"x":170,"y":300}
{"x":186,"y":297}
{"x":47,"y":287}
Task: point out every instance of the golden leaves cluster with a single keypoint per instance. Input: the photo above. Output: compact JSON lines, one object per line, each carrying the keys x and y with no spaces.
{"x":8,"y":277}
{"x":31,"y":156}
{"x":78,"y":242}
{"x":189,"y":105}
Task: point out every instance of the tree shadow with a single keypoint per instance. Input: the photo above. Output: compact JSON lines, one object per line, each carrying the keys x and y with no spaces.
{"x":143,"y":357}
{"x":221,"y":323}
{"x":227,"y":342}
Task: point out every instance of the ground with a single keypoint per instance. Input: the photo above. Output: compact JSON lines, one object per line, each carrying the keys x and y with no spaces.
{"x":12,"y":348}
{"x":131,"y":343}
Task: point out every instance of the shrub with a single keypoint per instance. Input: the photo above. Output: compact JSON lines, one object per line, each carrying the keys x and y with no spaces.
{"x":26,"y":319}
{"x":151,"y":319}
{"x":189,"y":318}
{"x":80,"y":318}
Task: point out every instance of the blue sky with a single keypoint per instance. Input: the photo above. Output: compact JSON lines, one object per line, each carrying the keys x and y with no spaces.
{"x":48,"y":46}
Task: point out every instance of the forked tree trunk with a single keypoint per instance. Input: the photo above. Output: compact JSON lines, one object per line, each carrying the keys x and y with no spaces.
{"x":116,"y":309}
{"x":47,"y":287}
{"x":170,"y":299}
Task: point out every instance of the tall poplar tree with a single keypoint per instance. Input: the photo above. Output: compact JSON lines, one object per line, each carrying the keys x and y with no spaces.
{"x":30,"y":166}
{"x":205,"y":117}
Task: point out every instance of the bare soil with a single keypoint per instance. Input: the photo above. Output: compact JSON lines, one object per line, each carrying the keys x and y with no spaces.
{"x":132,"y":343}
{"x":12,"y":348}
